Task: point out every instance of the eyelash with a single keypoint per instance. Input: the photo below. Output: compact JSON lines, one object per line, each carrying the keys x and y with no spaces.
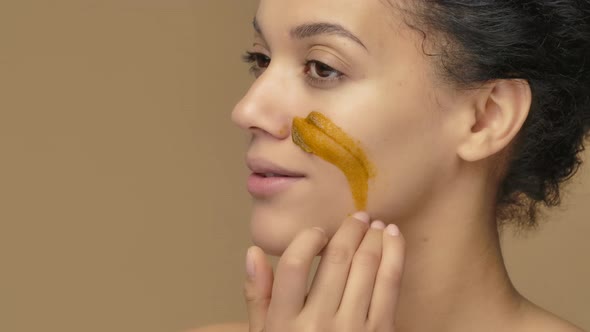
{"x":253,"y":58}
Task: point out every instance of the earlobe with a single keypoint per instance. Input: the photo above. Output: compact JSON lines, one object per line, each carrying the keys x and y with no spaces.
{"x":498,"y":115}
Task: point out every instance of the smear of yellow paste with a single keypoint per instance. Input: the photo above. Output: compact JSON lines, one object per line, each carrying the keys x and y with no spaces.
{"x":318,"y":135}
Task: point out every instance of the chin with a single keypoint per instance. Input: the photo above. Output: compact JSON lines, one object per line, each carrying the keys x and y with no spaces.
{"x":271,"y":242}
{"x":273,"y":226}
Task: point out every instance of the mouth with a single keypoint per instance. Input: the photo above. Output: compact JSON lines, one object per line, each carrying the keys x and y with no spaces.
{"x":269,"y":179}
{"x":275,"y":175}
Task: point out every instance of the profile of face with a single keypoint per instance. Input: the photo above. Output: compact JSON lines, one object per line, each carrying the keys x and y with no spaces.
{"x":362,"y":67}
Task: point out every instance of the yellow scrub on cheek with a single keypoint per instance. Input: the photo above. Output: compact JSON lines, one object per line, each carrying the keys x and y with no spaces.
{"x":318,"y":135}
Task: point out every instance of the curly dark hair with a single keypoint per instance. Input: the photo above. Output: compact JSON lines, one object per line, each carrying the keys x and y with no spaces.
{"x":546,"y":43}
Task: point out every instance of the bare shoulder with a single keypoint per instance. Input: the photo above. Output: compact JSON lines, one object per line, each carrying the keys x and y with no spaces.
{"x":538,"y":319}
{"x":225,"y":327}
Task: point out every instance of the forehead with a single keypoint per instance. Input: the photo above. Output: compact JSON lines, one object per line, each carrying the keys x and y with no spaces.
{"x":370,"y":20}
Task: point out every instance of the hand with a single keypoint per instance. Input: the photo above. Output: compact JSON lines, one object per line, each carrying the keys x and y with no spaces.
{"x":355,"y":288}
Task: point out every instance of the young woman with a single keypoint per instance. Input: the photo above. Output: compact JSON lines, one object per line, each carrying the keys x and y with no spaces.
{"x":442,"y":119}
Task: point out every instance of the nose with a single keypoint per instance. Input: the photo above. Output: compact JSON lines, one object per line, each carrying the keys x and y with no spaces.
{"x":266,"y":107}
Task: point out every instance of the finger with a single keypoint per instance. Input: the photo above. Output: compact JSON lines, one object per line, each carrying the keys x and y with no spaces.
{"x":388,"y":281}
{"x":257,"y":288}
{"x":361,"y":279}
{"x":290,"y":286}
{"x":330,"y":279}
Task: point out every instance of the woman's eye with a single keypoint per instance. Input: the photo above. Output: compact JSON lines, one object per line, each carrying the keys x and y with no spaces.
{"x":318,"y":70}
{"x":259,"y":62}
{"x":262,"y":61}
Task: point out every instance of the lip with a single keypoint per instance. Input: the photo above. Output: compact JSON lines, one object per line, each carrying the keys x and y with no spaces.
{"x":262,"y":166}
{"x":261,"y":186}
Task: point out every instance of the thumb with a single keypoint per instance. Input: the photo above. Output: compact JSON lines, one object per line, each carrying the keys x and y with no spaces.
{"x":257,"y":288}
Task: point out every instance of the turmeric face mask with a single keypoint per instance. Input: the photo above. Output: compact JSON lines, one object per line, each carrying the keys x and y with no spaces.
{"x":318,"y":135}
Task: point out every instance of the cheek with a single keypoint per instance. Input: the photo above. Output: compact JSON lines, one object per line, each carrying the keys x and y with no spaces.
{"x":406,"y":145}
{"x":403,"y":185}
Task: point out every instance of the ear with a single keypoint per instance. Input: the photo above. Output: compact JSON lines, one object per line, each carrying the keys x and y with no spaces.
{"x":496,"y":117}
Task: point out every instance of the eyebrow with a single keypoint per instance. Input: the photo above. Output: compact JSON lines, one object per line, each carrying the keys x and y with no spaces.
{"x":313,"y":29}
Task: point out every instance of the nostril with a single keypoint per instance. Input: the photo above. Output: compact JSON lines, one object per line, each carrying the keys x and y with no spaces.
{"x":260,"y":132}
{"x":279,"y":133}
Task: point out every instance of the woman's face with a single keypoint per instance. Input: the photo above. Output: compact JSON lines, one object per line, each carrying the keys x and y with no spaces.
{"x":362,"y":67}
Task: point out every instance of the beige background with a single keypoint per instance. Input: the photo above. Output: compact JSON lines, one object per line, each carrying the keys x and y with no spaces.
{"x":122,"y":200}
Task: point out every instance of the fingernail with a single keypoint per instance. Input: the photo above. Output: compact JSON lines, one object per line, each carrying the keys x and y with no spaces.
{"x":361,"y":216}
{"x":378,"y":224}
{"x":392,"y":230}
{"x":250,"y":268}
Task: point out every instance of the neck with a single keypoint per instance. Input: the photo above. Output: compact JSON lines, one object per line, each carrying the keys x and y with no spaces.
{"x":455,"y":278}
